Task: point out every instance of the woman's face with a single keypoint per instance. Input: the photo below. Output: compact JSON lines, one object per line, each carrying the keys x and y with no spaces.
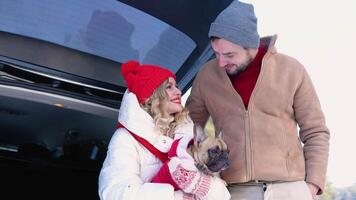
{"x":174,"y":97}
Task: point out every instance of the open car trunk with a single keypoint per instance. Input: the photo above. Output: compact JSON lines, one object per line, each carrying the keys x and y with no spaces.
{"x":61,"y":87}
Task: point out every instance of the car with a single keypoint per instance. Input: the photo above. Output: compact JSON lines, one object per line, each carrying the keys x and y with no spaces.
{"x":61,"y":87}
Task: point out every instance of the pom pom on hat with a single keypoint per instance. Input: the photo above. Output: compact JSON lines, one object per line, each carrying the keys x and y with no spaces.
{"x":143,"y":80}
{"x":129,"y":67}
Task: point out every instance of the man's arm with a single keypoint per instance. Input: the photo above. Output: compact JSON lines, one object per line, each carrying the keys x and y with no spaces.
{"x":196,"y":104}
{"x":313,"y":132}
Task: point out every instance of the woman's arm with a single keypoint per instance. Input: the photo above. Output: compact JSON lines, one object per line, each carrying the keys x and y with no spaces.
{"x":120,"y":174}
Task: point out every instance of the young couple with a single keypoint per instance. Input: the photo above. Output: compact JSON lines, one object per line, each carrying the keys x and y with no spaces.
{"x":257,"y":96}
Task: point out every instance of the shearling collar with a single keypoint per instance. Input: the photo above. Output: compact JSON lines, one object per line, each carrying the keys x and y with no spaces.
{"x":269,"y":42}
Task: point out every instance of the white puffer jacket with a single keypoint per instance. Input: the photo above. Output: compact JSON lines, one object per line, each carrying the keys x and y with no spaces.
{"x":128,"y":167}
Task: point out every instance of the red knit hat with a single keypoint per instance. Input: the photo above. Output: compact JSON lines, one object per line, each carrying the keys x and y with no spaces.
{"x":142,"y":80}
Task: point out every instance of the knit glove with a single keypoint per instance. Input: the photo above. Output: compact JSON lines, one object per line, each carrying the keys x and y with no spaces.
{"x":180,"y":195}
{"x":183,"y":175}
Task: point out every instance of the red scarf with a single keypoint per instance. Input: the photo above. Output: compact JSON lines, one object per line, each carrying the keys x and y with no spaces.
{"x":159,"y":154}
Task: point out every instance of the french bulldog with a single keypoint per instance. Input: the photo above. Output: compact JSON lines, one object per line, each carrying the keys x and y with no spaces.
{"x":211,"y":154}
{"x":208,"y":154}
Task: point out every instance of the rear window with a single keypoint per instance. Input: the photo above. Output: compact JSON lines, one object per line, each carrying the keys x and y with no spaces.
{"x":109,"y":29}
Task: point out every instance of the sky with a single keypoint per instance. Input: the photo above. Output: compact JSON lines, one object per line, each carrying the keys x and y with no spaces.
{"x":321,"y":34}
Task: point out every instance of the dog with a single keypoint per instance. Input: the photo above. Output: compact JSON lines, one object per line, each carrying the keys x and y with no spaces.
{"x":196,"y":151}
{"x":210,"y":154}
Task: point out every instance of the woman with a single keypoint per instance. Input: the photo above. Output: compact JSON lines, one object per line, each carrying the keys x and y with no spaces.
{"x":151,"y":116}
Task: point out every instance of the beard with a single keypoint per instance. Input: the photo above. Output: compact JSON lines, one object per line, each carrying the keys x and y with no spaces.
{"x":240,"y":68}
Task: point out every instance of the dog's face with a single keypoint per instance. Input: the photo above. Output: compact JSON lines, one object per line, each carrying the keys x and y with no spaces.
{"x":210,"y":153}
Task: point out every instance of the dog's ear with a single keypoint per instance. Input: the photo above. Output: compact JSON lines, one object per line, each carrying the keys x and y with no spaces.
{"x":199,"y":134}
{"x":219,"y":134}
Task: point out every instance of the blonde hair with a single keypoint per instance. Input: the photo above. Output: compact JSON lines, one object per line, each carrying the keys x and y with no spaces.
{"x":157,"y":106}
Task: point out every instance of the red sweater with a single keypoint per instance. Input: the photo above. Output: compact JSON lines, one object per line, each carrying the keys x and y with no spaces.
{"x":245,"y":81}
{"x":164,"y":175}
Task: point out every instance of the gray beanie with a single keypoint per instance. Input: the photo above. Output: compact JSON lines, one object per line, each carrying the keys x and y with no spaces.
{"x":237,"y":24}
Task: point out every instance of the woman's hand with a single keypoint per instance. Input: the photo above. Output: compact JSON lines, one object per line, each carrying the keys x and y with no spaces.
{"x":183,"y":175}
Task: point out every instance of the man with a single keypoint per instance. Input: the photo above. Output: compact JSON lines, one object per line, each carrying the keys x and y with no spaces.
{"x":257,"y":97}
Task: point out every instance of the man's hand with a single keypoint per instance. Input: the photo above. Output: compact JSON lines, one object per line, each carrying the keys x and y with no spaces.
{"x":313,"y":190}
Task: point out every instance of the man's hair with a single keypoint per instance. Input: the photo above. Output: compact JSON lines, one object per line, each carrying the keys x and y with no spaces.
{"x":212,"y":38}
{"x":157,"y":106}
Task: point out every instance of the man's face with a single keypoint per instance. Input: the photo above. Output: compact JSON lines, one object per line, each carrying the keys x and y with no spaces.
{"x":232,"y":57}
